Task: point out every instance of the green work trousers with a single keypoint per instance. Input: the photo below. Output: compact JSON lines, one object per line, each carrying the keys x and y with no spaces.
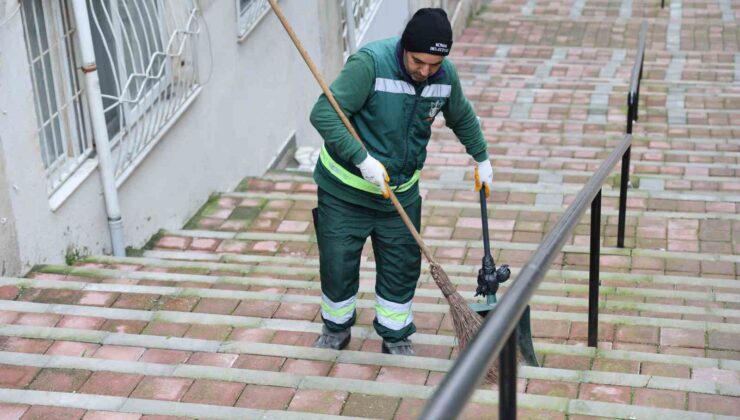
{"x":342,"y":229}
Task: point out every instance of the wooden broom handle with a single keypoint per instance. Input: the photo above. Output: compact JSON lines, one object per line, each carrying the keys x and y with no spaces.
{"x":335,"y":105}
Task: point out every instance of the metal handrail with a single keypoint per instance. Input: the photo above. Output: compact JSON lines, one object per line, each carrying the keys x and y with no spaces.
{"x":473,"y":363}
{"x":498,"y":333}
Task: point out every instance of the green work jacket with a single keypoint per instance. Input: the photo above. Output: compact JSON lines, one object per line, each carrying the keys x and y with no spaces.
{"x":393,"y":116}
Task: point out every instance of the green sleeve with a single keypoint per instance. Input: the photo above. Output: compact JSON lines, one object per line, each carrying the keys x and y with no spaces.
{"x":351,"y":89}
{"x":461,"y":118}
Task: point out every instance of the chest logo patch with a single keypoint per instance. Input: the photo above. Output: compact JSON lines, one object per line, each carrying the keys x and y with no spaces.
{"x":435,"y":107}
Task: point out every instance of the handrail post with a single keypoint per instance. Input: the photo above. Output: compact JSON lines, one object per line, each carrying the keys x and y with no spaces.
{"x":507,"y":378}
{"x":630,"y":112}
{"x":623,"y":184}
{"x":624,"y":179}
{"x":636,"y":99}
{"x":593,"y":274}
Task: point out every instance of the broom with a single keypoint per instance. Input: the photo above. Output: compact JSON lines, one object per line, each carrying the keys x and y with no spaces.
{"x":465,"y":320}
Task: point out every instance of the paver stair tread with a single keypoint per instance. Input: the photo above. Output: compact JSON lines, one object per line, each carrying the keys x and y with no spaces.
{"x":514,"y":253}
{"x":463,"y":188}
{"x":299,"y":272}
{"x":717,"y":308}
{"x":45,"y":404}
{"x":282,"y":305}
{"x":142,"y":347}
{"x":345,"y":388}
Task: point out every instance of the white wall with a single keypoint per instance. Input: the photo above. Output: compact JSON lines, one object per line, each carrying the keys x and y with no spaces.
{"x":390,"y":19}
{"x":259,"y":92}
{"x":9,"y":258}
{"x":41,"y":235}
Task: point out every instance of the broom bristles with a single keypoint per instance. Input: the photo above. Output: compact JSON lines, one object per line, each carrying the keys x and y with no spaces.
{"x":466,"y":321}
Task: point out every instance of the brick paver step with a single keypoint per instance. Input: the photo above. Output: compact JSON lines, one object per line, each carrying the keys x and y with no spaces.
{"x":527,"y":192}
{"x":587,"y":75}
{"x":708,"y":34}
{"x":604,"y":9}
{"x":681,"y":286}
{"x":711,"y":98}
{"x":170,"y":328}
{"x":615,"y":125}
{"x":717,"y":307}
{"x":304,"y":271}
{"x":615,"y":286}
{"x":20,"y":403}
{"x":364,"y":363}
{"x":530,"y":169}
{"x":721,"y":168}
{"x":73,"y":298}
{"x":514,"y":253}
{"x":483,"y":82}
{"x":461,"y":222}
{"x":287,"y":196}
{"x":694,"y":153}
{"x":472,"y":51}
{"x":225,"y":387}
{"x":467,"y":49}
{"x":164,"y":370}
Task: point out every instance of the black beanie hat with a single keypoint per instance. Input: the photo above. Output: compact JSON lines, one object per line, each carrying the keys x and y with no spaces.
{"x":428,"y":31}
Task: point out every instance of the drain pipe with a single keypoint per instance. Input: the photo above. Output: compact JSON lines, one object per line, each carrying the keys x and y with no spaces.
{"x":99,"y":127}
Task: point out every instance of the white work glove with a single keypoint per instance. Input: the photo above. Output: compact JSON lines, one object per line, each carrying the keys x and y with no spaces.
{"x":484,"y":177}
{"x":373,"y":171}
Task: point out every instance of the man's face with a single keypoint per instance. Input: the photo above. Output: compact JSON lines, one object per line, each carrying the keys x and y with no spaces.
{"x":421,"y":65}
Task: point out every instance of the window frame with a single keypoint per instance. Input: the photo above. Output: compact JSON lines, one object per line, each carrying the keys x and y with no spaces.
{"x":61,"y":91}
{"x":248,"y":16}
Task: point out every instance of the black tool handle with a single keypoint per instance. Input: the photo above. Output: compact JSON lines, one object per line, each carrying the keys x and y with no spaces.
{"x":484,"y":219}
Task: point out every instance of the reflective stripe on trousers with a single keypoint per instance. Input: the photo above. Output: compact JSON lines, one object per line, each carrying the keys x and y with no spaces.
{"x":337,"y":312}
{"x":393,"y":315}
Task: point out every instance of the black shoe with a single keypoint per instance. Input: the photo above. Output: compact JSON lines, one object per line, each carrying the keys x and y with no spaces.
{"x":333,"y":340}
{"x":402,"y":347}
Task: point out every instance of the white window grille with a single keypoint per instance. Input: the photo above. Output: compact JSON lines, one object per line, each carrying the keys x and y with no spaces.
{"x":248,"y":14}
{"x":145,"y":51}
{"x":353,"y":30}
{"x":64,"y":131}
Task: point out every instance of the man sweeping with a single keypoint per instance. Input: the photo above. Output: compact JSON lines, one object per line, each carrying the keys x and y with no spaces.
{"x":391,"y":90}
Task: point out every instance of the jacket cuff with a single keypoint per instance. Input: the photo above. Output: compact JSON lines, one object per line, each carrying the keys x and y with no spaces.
{"x":358,"y":157}
{"x":480,"y":157}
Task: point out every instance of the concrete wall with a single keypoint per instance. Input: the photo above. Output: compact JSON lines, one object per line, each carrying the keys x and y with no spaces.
{"x":40,"y":234}
{"x":258,"y":94}
{"x":459,"y":11}
{"x":255,"y":94}
{"x":9,"y":257}
{"x":389,"y":20}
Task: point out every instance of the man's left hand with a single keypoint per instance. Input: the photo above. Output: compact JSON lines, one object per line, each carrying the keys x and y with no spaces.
{"x":484,"y":177}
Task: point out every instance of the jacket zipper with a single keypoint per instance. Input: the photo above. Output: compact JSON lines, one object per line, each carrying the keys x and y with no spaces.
{"x":408,"y":127}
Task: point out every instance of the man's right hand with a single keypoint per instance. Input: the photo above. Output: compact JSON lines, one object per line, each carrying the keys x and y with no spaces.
{"x":373,"y":171}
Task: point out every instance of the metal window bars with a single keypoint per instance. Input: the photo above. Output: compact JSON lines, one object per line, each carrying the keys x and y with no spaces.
{"x":498,"y":332}
{"x":64,"y":131}
{"x":353,"y":30}
{"x":249,"y":13}
{"x":146,"y":59}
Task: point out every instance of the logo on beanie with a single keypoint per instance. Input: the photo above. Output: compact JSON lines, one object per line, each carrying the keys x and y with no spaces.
{"x":439,"y":47}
